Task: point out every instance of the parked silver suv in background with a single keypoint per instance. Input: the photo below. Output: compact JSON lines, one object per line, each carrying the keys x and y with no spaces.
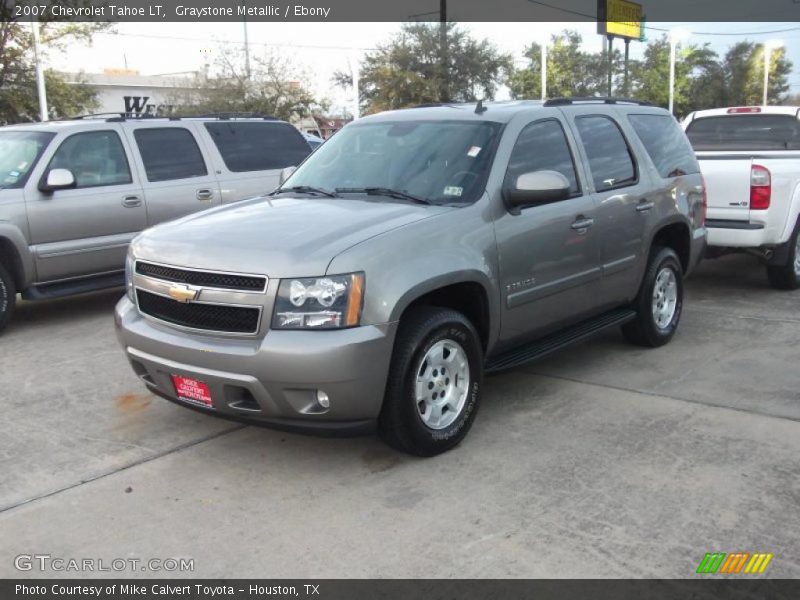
{"x":74,"y":193}
{"x":410,"y":253}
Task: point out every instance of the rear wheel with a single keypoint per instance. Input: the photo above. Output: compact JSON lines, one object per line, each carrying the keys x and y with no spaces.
{"x":8,"y":297}
{"x":660,"y":301}
{"x":787,"y":277}
{"x":433,"y":390}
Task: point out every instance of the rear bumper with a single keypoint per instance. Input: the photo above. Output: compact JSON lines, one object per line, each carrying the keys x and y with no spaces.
{"x":271,"y":381}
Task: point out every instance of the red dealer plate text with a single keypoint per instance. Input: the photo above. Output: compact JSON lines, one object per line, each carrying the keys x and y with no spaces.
{"x":192,"y":390}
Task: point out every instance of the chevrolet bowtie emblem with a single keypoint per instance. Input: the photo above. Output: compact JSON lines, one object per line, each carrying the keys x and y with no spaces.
{"x":183,"y":293}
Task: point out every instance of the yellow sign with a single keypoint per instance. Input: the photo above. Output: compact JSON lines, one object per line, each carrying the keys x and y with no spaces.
{"x":620,"y":18}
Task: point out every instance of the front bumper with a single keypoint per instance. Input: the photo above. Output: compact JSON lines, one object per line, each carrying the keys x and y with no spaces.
{"x":273,"y":380}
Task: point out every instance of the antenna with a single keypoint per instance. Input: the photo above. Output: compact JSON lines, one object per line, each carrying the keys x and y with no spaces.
{"x":480,"y":108}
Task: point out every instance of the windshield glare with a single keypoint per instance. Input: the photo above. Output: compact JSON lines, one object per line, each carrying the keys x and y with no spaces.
{"x":19,"y":151}
{"x":441,"y":161}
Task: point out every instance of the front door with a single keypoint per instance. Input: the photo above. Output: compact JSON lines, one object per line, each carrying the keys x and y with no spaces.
{"x":85,"y":230}
{"x":548,"y":253}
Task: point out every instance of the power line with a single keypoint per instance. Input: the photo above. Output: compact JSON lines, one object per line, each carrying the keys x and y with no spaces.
{"x":238,"y":43}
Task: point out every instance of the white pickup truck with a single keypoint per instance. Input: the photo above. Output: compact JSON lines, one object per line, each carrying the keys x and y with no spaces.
{"x":750,"y":160}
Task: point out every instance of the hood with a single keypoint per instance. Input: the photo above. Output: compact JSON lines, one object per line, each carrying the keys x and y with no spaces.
{"x":278,"y":237}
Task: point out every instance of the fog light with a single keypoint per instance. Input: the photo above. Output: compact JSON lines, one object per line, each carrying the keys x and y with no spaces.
{"x":322,"y":399}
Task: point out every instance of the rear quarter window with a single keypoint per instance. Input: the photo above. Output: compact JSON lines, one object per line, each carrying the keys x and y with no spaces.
{"x":665,"y":144}
{"x":253,"y":146}
{"x":745,"y":132}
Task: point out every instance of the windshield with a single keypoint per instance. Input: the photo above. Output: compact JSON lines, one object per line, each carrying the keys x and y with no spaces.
{"x":19,"y":151}
{"x":745,"y":132}
{"x":442,"y":162}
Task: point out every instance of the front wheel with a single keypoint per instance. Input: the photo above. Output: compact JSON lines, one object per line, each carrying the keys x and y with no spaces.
{"x":8,"y":297}
{"x":660,"y":301}
{"x":787,"y":276}
{"x":434,"y":384}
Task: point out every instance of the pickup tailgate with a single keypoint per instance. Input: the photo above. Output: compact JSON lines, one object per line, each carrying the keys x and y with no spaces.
{"x":727,"y":178}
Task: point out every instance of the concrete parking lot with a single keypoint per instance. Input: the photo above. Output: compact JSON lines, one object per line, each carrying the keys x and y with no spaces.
{"x":604,"y":460}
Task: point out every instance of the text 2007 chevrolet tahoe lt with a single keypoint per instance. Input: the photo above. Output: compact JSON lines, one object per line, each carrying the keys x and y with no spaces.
{"x":411,"y":253}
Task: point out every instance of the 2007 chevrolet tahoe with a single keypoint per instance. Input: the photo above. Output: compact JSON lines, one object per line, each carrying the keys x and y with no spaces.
{"x":414,"y":251}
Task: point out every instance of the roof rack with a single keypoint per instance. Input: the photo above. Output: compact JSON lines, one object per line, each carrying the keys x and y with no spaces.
{"x":599,"y":99}
{"x":438,"y":104}
{"x":112,"y":117}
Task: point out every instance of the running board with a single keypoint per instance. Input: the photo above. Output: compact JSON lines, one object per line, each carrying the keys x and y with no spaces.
{"x":74,"y":286}
{"x":558,"y":340}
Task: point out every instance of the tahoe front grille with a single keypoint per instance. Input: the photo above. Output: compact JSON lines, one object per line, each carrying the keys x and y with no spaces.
{"x":225,"y":281}
{"x":209,"y":317}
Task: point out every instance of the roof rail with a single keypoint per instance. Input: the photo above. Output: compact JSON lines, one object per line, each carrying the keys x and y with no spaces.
{"x":234,"y":115}
{"x":438,"y":104}
{"x":600,"y":99}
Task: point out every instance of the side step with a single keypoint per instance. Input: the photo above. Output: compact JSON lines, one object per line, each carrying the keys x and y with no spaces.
{"x":559,"y":339}
{"x":71,"y":287}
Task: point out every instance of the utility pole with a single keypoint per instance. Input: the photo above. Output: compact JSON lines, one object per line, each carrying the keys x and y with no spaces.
{"x":610,"y":63}
{"x":40,"y":87}
{"x":625,"y":91}
{"x":444,"y":72}
{"x":544,"y":69}
{"x":246,"y":43}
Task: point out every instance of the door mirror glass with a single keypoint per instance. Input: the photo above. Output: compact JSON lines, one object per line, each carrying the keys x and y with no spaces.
{"x":58,"y":179}
{"x":537,"y":187}
{"x":286,"y":172}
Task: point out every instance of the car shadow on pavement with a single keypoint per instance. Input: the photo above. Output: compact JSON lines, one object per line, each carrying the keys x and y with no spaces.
{"x":62,"y":310}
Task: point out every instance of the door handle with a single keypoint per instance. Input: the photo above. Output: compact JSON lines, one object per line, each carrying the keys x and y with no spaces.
{"x":582,"y":223}
{"x":644,"y":206}
{"x":205,"y":194}
{"x":131,"y":201}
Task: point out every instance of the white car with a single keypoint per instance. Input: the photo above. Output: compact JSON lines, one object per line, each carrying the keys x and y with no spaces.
{"x":750,"y":159}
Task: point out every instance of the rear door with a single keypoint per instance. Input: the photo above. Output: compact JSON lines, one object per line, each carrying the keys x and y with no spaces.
{"x":728,"y":146}
{"x":249,"y":155}
{"x":85,"y":230}
{"x":178,"y":179}
{"x":623,"y":199}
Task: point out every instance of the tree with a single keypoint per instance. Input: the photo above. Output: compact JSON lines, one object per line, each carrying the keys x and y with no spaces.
{"x":273,"y":88}
{"x":570,"y":71}
{"x":407,"y":70}
{"x":743,"y":67}
{"x":18,"y":96}
{"x":699,"y":78}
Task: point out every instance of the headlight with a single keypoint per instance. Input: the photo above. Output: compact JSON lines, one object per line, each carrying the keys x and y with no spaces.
{"x":330,"y":302}
{"x":129,"y":278}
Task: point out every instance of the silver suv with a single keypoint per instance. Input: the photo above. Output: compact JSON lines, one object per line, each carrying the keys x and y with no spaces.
{"x":411,"y":253}
{"x":74,"y":193}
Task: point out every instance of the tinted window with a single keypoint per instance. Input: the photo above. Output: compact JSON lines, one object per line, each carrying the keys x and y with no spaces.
{"x":745,"y":132}
{"x":666,"y":144}
{"x":169,"y":153}
{"x":19,"y":153}
{"x":542,"y":146}
{"x":610,"y":158}
{"x":95,"y":158}
{"x":258,"y":146}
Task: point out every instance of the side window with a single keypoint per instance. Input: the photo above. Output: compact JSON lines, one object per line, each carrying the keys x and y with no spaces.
{"x":542,"y":146}
{"x":254,"y":146}
{"x":666,"y":144}
{"x":169,"y":153}
{"x":95,"y":158}
{"x":610,"y":160}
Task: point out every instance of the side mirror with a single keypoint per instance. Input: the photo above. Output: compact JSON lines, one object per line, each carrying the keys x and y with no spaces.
{"x":57,"y":179}
{"x":537,"y":187}
{"x":286,"y":172}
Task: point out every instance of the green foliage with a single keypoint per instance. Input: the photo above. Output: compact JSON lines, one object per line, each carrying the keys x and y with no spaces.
{"x":407,"y":70}
{"x":18,"y":97}
{"x":273,"y":88}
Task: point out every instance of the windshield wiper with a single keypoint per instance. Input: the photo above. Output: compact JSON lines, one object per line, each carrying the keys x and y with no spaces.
{"x":385,"y":191}
{"x":306,"y":189}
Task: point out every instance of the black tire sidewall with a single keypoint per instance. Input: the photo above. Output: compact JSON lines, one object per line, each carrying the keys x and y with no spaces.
{"x":8,"y":297}
{"x":657,"y":335}
{"x":400,"y":421}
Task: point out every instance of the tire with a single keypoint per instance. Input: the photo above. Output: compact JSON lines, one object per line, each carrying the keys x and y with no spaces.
{"x":428,"y":338}
{"x":787,"y":277}
{"x":662,"y":287}
{"x":8,"y":297}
